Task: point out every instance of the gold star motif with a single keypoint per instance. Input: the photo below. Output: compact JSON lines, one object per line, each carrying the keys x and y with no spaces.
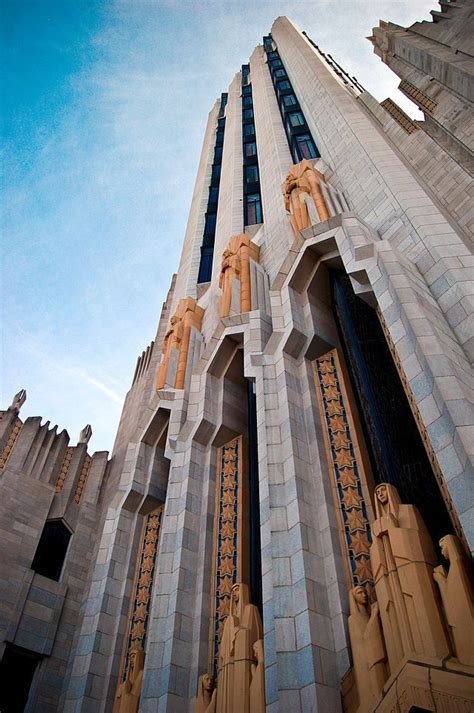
{"x":229,"y":482}
{"x":325,"y":367}
{"x":359,"y":543}
{"x":347,"y":478}
{"x":228,"y":498}
{"x":145,"y":580}
{"x":138,"y":630}
{"x":140,"y":612}
{"x":227,"y":567}
{"x":225,"y":585}
{"x":229,"y":468}
{"x":328,"y":380}
{"x":227,"y":530}
{"x":331,"y":393}
{"x":355,"y":520}
{"x":340,"y":440}
{"x":143,"y":596}
{"x":227,"y":548}
{"x":351,"y":498}
{"x":147,"y":565}
{"x":223,"y":608}
{"x":363,"y":569}
{"x":336,"y":423}
{"x":228,"y":514}
{"x":344,"y":459}
{"x":334,"y":407}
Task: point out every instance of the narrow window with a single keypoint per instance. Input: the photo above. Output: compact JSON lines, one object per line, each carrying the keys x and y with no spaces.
{"x":247,"y":101}
{"x":296,"y":119}
{"x":306,"y":147}
{"x":205,"y":266}
{"x":213,"y":194}
{"x":289,"y":100}
{"x":277,"y":63}
{"x":210,"y":226}
{"x":273,"y":55}
{"x":51,"y":551}
{"x":280,"y":73}
{"x":247,"y":90}
{"x":249,"y":130}
{"x":251,"y":149}
{"x":254,"y":209}
{"x":283,"y":86}
{"x":248,"y":113}
{"x":251,"y":174}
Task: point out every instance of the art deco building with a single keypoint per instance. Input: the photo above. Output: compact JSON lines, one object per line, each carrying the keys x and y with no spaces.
{"x":316,"y":343}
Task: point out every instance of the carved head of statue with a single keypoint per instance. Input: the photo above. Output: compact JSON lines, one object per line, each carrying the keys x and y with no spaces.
{"x":361,"y":596}
{"x":387,"y":500}
{"x":451,"y":548}
{"x":239,"y":598}
{"x":258,"y":650}
{"x":136,"y":662}
{"x":207,"y":682}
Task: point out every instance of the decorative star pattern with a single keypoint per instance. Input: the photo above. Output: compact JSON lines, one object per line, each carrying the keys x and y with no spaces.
{"x":226,"y":555}
{"x":345,"y":467}
{"x":140,"y":609}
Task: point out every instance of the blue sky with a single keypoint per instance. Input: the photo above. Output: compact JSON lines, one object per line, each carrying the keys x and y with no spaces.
{"x":103,"y":110}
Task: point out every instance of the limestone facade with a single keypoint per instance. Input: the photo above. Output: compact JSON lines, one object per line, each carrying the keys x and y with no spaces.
{"x":162,"y":530}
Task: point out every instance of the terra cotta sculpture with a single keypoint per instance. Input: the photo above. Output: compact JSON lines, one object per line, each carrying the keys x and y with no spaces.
{"x":128,"y":693}
{"x":188,"y":314}
{"x":368,"y":649}
{"x":242,"y":629}
{"x":205,"y":695}
{"x":236,"y":267}
{"x":403,"y":559}
{"x":303,"y":180}
{"x":458,"y":601}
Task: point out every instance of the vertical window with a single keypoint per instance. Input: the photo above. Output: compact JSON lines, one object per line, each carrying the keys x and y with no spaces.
{"x":282,"y":86}
{"x":254,"y":209}
{"x":296,"y":119}
{"x":251,"y":149}
{"x":277,"y":63}
{"x":280,"y":73}
{"x":306,"y":147}
{"x":205,"y":266}
{"x":251,"y":174}
{"x":247,"y":100}
{"x":249,"y":130}
{"x":289,"y":100}
{"x":248,"y":114}
{"x":51,"y":551}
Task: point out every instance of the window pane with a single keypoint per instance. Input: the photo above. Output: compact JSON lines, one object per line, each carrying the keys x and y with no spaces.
{"x":297,"y":119}
{"x":248,"y":113}
{"x":205,"y":266}
{"x":247,"y":101}
{"x":282,"y":86}
{"x":273,"y":55}
{"x":277,"y":63}
{"x":254,"y":209}
{"x":249,"y":130}
{"x":306,"y":146}
{"x":280,"y":73}
{"x":210,"y":226}
{"x":213,"y":195}
{"x":251,"y":148}
{"x":216,"y":171}
{"x":251,"y":174}
{"x":289,"y":100}
{"x":247,"y":90}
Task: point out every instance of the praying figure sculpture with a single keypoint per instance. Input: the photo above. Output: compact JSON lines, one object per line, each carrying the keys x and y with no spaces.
{"x":242,"y":630}
{"x":257,"y":684}
{"x":458,"y":598}
{"x":304,"y":181}
{"x":176,"y":343}
{"x":235,"y":274}
{"x":128,"y":692}
{"x":85,"y":434}
{"x":206,"y":695}
{"x":403,"y":560}
{"x":368,"y":648}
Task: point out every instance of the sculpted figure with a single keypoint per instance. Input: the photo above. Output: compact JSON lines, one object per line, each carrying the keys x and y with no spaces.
{"x":206,"y":695}
{"x":188,"y":314}
{"x":403,"y":558}
{"x":236,"y":266}
{"x":368,"y":648}
{"x":458,"y":599}
{"x":18,"y":401}
{"x":242,"y":629}
{"x":303,"y":179}
{"x":257,"y":685}
{"x":230,"y":269}
{"x":85,"y":434}
{"x":128,"y":693}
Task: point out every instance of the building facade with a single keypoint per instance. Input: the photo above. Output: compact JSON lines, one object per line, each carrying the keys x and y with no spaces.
{"x":286,"y":519}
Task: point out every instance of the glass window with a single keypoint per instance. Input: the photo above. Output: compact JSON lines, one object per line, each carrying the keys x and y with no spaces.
{"x":205,"y":266}
{"x":247,"y":89}
{"x":296,"y":118}
{"x":277,"y":63}
{"x":248,"y":113}
{"x":279,"y":73}
{"x":306,"y":147}
{"x":268,"y":44}
{"x":289,"y":100}
{"x":247,"y":101}
{"x":251,"y":174}
{"x":282,"y":86}
{"x":216,"y":171}
{"x":254,"y":209}
{"x":213,"y":194}
{"x":219,"y":138}
{"x":221,"y":123}
{"x":273,"y":55}
{"x":251,"y":148}
{"x":210,"y":225}
{"x":249,"y":130}
{"x":218,"y":153}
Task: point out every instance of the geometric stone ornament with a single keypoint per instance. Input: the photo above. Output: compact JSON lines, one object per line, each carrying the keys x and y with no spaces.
{"x":14,"y":433}
{"x":172,"y":370}
{"x":303,"y":182}
{"x":346,"y":465}
{"x":128,"y":692}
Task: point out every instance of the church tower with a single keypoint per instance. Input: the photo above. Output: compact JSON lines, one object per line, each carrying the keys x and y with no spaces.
{"x":286,"y":520}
